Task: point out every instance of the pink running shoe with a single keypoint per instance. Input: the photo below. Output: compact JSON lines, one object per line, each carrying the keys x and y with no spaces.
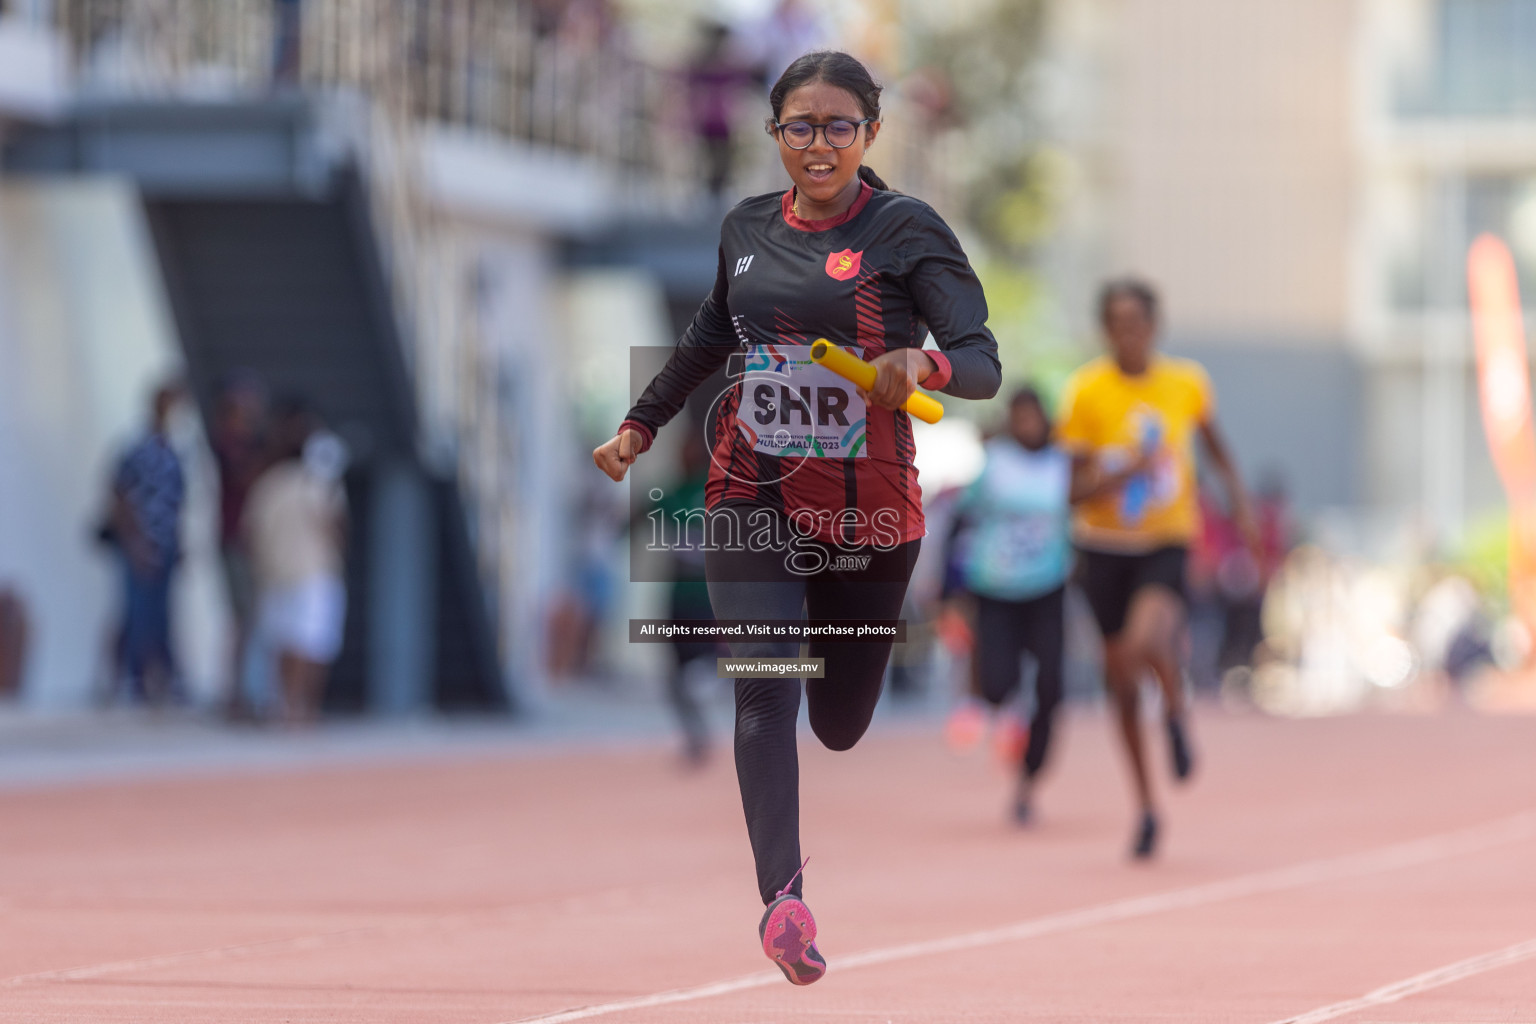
{"x":788,"y":932}
{"x":965,"y":726}
{"x":1010,"y":739}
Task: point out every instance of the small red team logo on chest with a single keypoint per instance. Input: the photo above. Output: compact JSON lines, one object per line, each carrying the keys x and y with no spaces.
{"x":845,"y":264}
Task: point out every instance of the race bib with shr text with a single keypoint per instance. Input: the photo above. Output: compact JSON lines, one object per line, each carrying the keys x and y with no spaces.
{"x":792,"y":405}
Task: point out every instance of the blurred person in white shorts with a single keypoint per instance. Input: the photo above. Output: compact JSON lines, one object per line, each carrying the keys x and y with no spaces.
{"x":295,"y":524}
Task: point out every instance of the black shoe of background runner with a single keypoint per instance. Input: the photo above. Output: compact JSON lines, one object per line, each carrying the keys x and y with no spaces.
{"x":1178,"y":746}
{"x":1146,"y":837}
{"x":1023,"y":814}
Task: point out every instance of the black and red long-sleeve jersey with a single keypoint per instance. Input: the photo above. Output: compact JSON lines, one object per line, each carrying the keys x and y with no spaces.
{"x":878,"y":277}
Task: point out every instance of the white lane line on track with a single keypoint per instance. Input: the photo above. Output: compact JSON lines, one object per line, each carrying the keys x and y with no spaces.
{"x":312,"y":941}
{"x":1402,"y":855}
{"x":1420,"y":983}
{"x":144,"y":963}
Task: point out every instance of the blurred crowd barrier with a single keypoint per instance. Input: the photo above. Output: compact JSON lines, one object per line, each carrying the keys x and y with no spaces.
{"x":570,"y":75}
{"x":551,"y":74}
{"x":1342,"y":633}
{"x":1319,"y":620}
{"x":1324,"y":618}
{"x":559,"y":74}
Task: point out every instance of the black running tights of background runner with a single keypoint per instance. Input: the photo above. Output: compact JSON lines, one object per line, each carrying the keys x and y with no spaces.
{"x":1004,"y":631}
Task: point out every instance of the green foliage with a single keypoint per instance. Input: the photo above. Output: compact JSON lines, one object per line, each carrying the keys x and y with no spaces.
{"x":982,"y":59}
{"x":1484,"y":556}
{"x":1033,"y":341}
{"x":975,"y":64}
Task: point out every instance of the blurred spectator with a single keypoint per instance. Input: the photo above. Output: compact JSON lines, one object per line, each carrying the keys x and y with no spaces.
{"x":683,"y":526}
{"x":788,"y":32}
{"x":239,"y":445}
{"x":1229,"y":578}
{"x":1207,"y":612}
{"x":586,"y":24}
{"x":287,"y":40}
{"x":1450,"y":630}
{"x":148,"y":490}
{"x":577,"y":614}
{"x":931,"y":650}
{"x":1334,"y":630}
{"x":1244,"y":572}
{"x":715,"y":80}
{"x":14,"y":633}
{"x":548,"y":15}
{"x":295,"y":524}
{"x":932,"y":95}
{"x":913,"y":663}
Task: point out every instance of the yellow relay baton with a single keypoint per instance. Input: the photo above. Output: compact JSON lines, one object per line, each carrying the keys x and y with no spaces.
{"x":863,"y":374}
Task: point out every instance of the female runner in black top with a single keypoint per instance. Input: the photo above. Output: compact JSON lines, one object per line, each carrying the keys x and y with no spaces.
{"x":813,"y":499}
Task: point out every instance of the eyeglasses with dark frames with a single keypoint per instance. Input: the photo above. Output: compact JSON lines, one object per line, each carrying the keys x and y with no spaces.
{"x":839,"y":134}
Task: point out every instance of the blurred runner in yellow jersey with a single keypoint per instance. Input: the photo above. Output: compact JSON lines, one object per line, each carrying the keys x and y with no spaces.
{"x":1119,"y":418}
{"x":1132,"y":417}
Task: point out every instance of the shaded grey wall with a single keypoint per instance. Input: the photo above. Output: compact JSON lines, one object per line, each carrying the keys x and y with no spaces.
{"x":1298,"y":411}
{"x":85,"y":336}
{"x":1395,"y":476}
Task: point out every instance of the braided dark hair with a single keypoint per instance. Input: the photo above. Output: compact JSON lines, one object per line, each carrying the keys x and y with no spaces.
{"x":837,"y":69}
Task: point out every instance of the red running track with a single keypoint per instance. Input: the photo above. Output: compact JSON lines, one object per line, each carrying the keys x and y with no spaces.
{"x":1367,"y":869}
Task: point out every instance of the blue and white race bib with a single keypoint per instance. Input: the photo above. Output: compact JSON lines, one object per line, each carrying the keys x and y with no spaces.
{"x":791,"y":405}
